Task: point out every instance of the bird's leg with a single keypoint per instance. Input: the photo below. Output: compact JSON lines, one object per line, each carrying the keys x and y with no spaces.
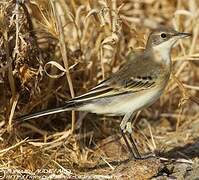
{"x":124,"y":122}
{"x":128,"y":145}
{"x":126,"y":130}
{"x":129,"y":132}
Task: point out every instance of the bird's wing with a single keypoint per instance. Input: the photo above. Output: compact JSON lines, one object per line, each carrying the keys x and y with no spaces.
{"x":137,"y":75}
{"x":113,"y":87}
{"x":131,"y":85}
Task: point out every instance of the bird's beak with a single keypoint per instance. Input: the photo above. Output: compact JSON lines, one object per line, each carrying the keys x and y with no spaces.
{"x":183,"y":35}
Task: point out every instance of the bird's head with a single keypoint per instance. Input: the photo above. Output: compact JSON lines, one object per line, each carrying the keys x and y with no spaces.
{"x":164,"y":38}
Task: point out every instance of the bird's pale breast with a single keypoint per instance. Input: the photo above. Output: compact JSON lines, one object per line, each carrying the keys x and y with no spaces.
{"x":124,"y":103}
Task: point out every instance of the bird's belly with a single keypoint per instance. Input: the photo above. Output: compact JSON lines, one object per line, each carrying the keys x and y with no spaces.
{"x":124,"y":103}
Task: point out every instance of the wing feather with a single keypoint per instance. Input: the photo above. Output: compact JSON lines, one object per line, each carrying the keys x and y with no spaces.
{"x":109,"y":89}
{"x":139,"y":73}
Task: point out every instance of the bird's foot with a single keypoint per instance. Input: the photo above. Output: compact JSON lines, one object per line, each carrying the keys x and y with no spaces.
{"x":126,"y":130}
{"x":146,"y":156}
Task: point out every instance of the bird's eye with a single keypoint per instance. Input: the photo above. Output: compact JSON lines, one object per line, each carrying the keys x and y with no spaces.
{"x":163,"y":35}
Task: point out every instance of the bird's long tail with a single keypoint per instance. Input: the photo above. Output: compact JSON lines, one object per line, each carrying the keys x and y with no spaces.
{"x":67,"y":107}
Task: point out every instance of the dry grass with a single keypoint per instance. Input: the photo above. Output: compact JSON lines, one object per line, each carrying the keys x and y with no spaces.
{"x":51,"y":51}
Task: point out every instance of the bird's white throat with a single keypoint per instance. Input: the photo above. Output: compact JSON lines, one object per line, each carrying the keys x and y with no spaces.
{"x":162,"y":52}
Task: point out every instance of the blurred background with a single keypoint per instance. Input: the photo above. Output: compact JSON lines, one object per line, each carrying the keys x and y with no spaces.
{"x":51,"y":51}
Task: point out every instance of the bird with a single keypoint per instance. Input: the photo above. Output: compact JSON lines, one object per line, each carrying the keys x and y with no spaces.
{"x":137,"y":85}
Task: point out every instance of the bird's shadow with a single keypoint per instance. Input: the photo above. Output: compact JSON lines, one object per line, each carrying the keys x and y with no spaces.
{"x":189,"y":151}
